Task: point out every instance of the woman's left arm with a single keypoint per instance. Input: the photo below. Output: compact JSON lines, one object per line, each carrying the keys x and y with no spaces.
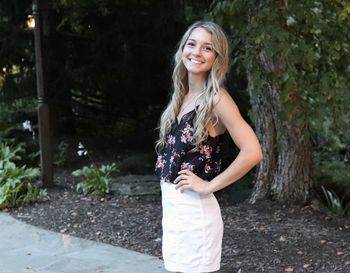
{"x":242,"y":134}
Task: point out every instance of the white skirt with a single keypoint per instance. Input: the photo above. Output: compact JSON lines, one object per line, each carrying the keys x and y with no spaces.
{"x":192,"y":231}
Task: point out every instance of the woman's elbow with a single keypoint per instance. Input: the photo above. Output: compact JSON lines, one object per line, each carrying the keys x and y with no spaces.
{"x":256,"y":156}
{"x":259,"y":157}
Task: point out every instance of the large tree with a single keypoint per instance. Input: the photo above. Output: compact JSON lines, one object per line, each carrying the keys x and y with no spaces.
{"x":295,"y":58}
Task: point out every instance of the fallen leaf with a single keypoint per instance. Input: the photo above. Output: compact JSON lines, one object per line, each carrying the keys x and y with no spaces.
{"x":289,"y":269}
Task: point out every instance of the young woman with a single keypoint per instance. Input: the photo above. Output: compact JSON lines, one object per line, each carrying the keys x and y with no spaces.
{"x":189,"y":151}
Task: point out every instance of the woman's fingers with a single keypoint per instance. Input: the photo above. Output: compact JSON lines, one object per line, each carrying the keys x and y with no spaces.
{"x":182,"y":187}
{"x":183,"y":175}
{"x":183,"y":181}
{"x":179,"y":178}
{"x":185,"y":171}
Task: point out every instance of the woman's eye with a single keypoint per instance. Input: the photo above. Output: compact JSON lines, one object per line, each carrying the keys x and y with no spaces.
{"x":190,"y":44}
{"x":208,"y":49}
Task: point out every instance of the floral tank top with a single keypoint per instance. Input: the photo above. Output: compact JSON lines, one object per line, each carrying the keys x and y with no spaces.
{"x":176,"y":154}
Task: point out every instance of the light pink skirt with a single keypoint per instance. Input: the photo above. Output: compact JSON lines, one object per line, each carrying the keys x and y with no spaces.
{"x":192,"y":231}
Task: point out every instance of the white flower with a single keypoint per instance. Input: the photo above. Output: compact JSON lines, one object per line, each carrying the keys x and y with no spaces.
{"x":27,"y":126}
{"x":80,"y":145}
{"x":81,"y":150}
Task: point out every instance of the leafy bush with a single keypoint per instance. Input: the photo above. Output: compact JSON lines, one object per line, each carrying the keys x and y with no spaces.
{"x":60,"y":155}
{"x":96,"y":180}
{"x":335,"y":175}
{"x":15,"y":186}
{"x":335,"y":204}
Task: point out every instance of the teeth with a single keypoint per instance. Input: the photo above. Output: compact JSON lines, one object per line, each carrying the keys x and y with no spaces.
{"x":194,"y":61}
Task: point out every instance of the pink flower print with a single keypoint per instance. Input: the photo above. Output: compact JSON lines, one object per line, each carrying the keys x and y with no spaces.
{"x":170,"y":139}
{"x":160,"y":162}
{"x":164,"y":179}
{"x":186,"y":166}
{"x":206,"y":151}
{"x":187,"y":134}
{"x":207,"y":168}
{"x":172,"y":160}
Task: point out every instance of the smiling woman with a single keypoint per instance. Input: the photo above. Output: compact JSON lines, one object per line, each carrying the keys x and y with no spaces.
{"x":189,"y":151}
{"x":198,"y":54}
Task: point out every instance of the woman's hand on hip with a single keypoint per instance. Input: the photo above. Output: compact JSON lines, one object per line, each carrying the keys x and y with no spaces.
{"x":189,"y":180}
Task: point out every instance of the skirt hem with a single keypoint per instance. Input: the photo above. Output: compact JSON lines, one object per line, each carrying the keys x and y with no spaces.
{"x":176,"y":267}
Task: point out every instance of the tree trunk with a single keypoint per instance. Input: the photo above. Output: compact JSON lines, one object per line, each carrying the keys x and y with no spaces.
{"x":285,"y":174}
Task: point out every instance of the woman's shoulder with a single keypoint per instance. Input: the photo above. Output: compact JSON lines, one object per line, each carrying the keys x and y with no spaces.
{"x":222,"y":97}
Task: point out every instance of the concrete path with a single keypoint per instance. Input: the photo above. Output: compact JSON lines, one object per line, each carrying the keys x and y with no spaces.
{"x":28,"y":249}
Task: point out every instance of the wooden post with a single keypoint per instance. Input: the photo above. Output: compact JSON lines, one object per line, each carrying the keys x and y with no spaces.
{"x":43,"y":107}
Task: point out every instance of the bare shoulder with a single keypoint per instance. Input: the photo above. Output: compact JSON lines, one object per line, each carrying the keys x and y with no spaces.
{"x":224,"y":104}
{"x":228,"y":113}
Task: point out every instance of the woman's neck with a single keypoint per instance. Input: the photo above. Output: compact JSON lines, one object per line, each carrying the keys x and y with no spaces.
{"x":196,"y":83}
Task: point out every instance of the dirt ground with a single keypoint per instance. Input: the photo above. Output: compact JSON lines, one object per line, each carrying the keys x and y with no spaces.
{"x":264,"y":237}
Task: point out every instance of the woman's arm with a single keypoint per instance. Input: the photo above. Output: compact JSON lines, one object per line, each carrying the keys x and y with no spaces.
{"x":243,"y":136}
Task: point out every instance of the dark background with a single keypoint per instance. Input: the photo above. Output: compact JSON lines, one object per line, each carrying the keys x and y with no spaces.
{"x":108,"y":64}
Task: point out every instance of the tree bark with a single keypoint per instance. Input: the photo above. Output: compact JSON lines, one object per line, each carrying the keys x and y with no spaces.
{"x":285,"y":174}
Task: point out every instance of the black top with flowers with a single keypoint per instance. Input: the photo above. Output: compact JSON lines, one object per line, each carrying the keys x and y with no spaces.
{"x":176,"y":154}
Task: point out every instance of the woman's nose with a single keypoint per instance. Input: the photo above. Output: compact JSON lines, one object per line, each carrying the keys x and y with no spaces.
{"x":196,"y":51}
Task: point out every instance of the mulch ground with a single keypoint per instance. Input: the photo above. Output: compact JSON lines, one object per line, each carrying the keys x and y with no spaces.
{"x":264,"y":237}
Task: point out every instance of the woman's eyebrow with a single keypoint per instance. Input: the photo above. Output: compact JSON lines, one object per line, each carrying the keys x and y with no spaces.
{"x":206,"y":43}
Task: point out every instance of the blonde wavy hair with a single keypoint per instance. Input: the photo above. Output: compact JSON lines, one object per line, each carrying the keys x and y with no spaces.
{"x":214,"y":82}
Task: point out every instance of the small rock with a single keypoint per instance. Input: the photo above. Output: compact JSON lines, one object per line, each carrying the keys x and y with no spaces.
{"x":282,"y":239}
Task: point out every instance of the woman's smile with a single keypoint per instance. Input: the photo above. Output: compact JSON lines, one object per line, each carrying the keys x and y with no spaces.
{"x":195,"y":61}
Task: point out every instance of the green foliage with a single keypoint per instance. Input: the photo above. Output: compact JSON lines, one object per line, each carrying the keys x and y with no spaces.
{"x":9,"y":154}
{"x":333,"y":174}
{"x":12,"y":114}
{"x":15,"y":186}
{"x":308,"y":42}
{"x":335,"y":204}
{"x":60,"y":155}
{"x":96,"y":180}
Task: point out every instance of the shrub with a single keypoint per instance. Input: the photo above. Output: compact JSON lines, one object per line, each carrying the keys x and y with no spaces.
{"x":336,"y":204}
{"x":96,"y":180}
{"x":15,"y":186}
{"x":60,"y":155}
{"x":335,"y":175}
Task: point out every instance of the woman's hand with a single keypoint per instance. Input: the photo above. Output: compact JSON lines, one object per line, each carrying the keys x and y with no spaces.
{"x":188,"y":180}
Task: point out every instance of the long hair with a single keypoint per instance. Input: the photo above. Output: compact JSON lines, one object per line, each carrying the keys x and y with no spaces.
{"x":212,"y":86}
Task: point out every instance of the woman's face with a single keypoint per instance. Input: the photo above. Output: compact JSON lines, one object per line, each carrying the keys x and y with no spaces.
{"x":198,"y":53}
